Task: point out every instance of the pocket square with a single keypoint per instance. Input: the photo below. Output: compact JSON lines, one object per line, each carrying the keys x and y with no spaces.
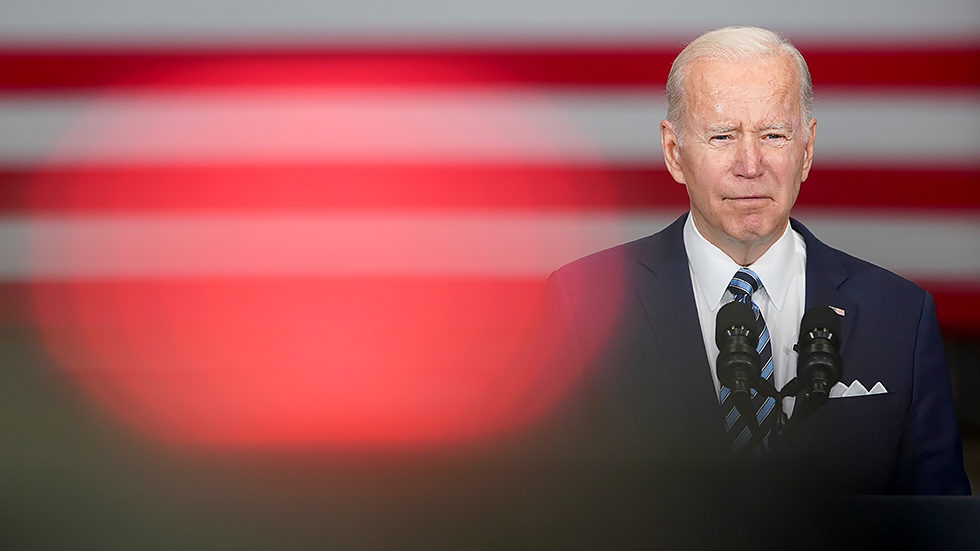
{"x":840,"y":390}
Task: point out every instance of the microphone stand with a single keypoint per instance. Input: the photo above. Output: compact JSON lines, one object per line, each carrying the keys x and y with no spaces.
{"x":804,"y":406}
{"x":746,"y":410}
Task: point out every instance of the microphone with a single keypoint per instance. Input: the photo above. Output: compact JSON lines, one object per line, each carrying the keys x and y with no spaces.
{"x":738,"y":366}
{"x":818,"y":366}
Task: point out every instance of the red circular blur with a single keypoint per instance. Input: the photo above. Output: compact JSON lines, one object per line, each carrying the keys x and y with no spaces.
{"x":369,"y":357}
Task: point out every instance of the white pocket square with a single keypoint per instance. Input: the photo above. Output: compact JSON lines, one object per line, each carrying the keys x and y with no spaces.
{"x":840,"y":390}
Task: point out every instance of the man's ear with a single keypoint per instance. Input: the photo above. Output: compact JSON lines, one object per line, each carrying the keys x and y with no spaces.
{"x":672,"y":151}
{"x":808,"y":150}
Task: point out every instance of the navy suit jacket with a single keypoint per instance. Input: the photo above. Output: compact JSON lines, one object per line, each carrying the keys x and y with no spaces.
{"x":626,"y":318}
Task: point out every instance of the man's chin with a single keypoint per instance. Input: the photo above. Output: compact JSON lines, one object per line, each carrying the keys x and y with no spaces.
{"x":754,"y":235}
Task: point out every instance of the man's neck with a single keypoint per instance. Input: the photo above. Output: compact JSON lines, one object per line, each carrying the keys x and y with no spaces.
{"x":743,"y":254}
{"x":746,"y":255}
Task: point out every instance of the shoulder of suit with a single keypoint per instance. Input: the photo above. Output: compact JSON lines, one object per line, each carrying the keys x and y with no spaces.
{"x":628,"y":255}
{"x":860,"y":272}
{"x":865,"y":272}
{"x":618,"y":254}
{"x":623,"y":262}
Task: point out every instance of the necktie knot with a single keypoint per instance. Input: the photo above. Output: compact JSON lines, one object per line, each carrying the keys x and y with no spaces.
{"x":743,"y":284}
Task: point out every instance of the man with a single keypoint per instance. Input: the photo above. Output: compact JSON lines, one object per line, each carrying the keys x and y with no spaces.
{"x":639,"y":319}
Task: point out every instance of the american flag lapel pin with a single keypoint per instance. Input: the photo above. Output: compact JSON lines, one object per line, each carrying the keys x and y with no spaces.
{"x":839,"y":311}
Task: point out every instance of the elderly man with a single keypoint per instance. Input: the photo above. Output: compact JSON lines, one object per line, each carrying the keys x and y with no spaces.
{"x":639,"y":319}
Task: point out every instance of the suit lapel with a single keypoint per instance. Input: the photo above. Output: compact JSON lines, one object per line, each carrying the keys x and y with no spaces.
{"x":667,"y":297}
{"x":824,"y":276}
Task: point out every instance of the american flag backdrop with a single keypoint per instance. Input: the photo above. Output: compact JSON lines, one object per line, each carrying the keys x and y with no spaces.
{"x":291,"y":223}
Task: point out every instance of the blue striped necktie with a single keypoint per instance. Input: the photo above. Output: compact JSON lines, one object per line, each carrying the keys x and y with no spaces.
{"x":743,"y":284}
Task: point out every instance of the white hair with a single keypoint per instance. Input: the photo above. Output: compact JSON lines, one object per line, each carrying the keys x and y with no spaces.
{"x":736,"y":44}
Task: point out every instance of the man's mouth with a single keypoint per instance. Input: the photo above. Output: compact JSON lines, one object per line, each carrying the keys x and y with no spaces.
{"x":749,"y":198}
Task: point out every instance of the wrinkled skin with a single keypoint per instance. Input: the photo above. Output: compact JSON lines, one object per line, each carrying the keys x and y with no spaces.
{"x":745,"y":152}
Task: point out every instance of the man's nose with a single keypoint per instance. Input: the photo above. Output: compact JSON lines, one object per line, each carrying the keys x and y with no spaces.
{"x":748,"y":159}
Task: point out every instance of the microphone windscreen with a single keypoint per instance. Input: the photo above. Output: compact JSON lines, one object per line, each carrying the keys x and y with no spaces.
{"x":734,"y":314}
{"x":820,"y":318}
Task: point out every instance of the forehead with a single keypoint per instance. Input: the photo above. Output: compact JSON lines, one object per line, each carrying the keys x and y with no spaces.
{"x":764,"y":88}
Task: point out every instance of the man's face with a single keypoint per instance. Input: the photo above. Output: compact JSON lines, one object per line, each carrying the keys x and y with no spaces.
{"x":745,"y":151}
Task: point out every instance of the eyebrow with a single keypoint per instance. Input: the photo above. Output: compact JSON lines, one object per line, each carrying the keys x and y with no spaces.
{"x":781,"y":126}
{"x":778,"y":126}
{"x":720,"y":129}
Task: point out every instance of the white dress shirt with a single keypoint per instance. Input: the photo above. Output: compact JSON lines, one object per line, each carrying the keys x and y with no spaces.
{"x":781,"y":299}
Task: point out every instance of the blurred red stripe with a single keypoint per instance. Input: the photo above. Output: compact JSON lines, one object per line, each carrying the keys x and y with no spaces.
{"x":925,"y":65}
{"x":298,"y":187}
{"x":899,"y":188}
{"x":957,"y":306}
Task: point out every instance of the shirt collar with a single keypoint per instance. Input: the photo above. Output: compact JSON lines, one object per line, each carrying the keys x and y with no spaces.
{"x":714,"y":269}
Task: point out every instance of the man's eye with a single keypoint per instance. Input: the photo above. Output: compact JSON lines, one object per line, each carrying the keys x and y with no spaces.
{"x":721,"y":137}
{"x":775,"y":137}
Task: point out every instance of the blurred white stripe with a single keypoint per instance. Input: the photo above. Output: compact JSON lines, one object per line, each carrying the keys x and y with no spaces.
{"x":451,"y":244}
{"x":444,"y":126}
{"x":477,"y":244}
{"x":942,"y":246}
{"x":465,"y":21}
